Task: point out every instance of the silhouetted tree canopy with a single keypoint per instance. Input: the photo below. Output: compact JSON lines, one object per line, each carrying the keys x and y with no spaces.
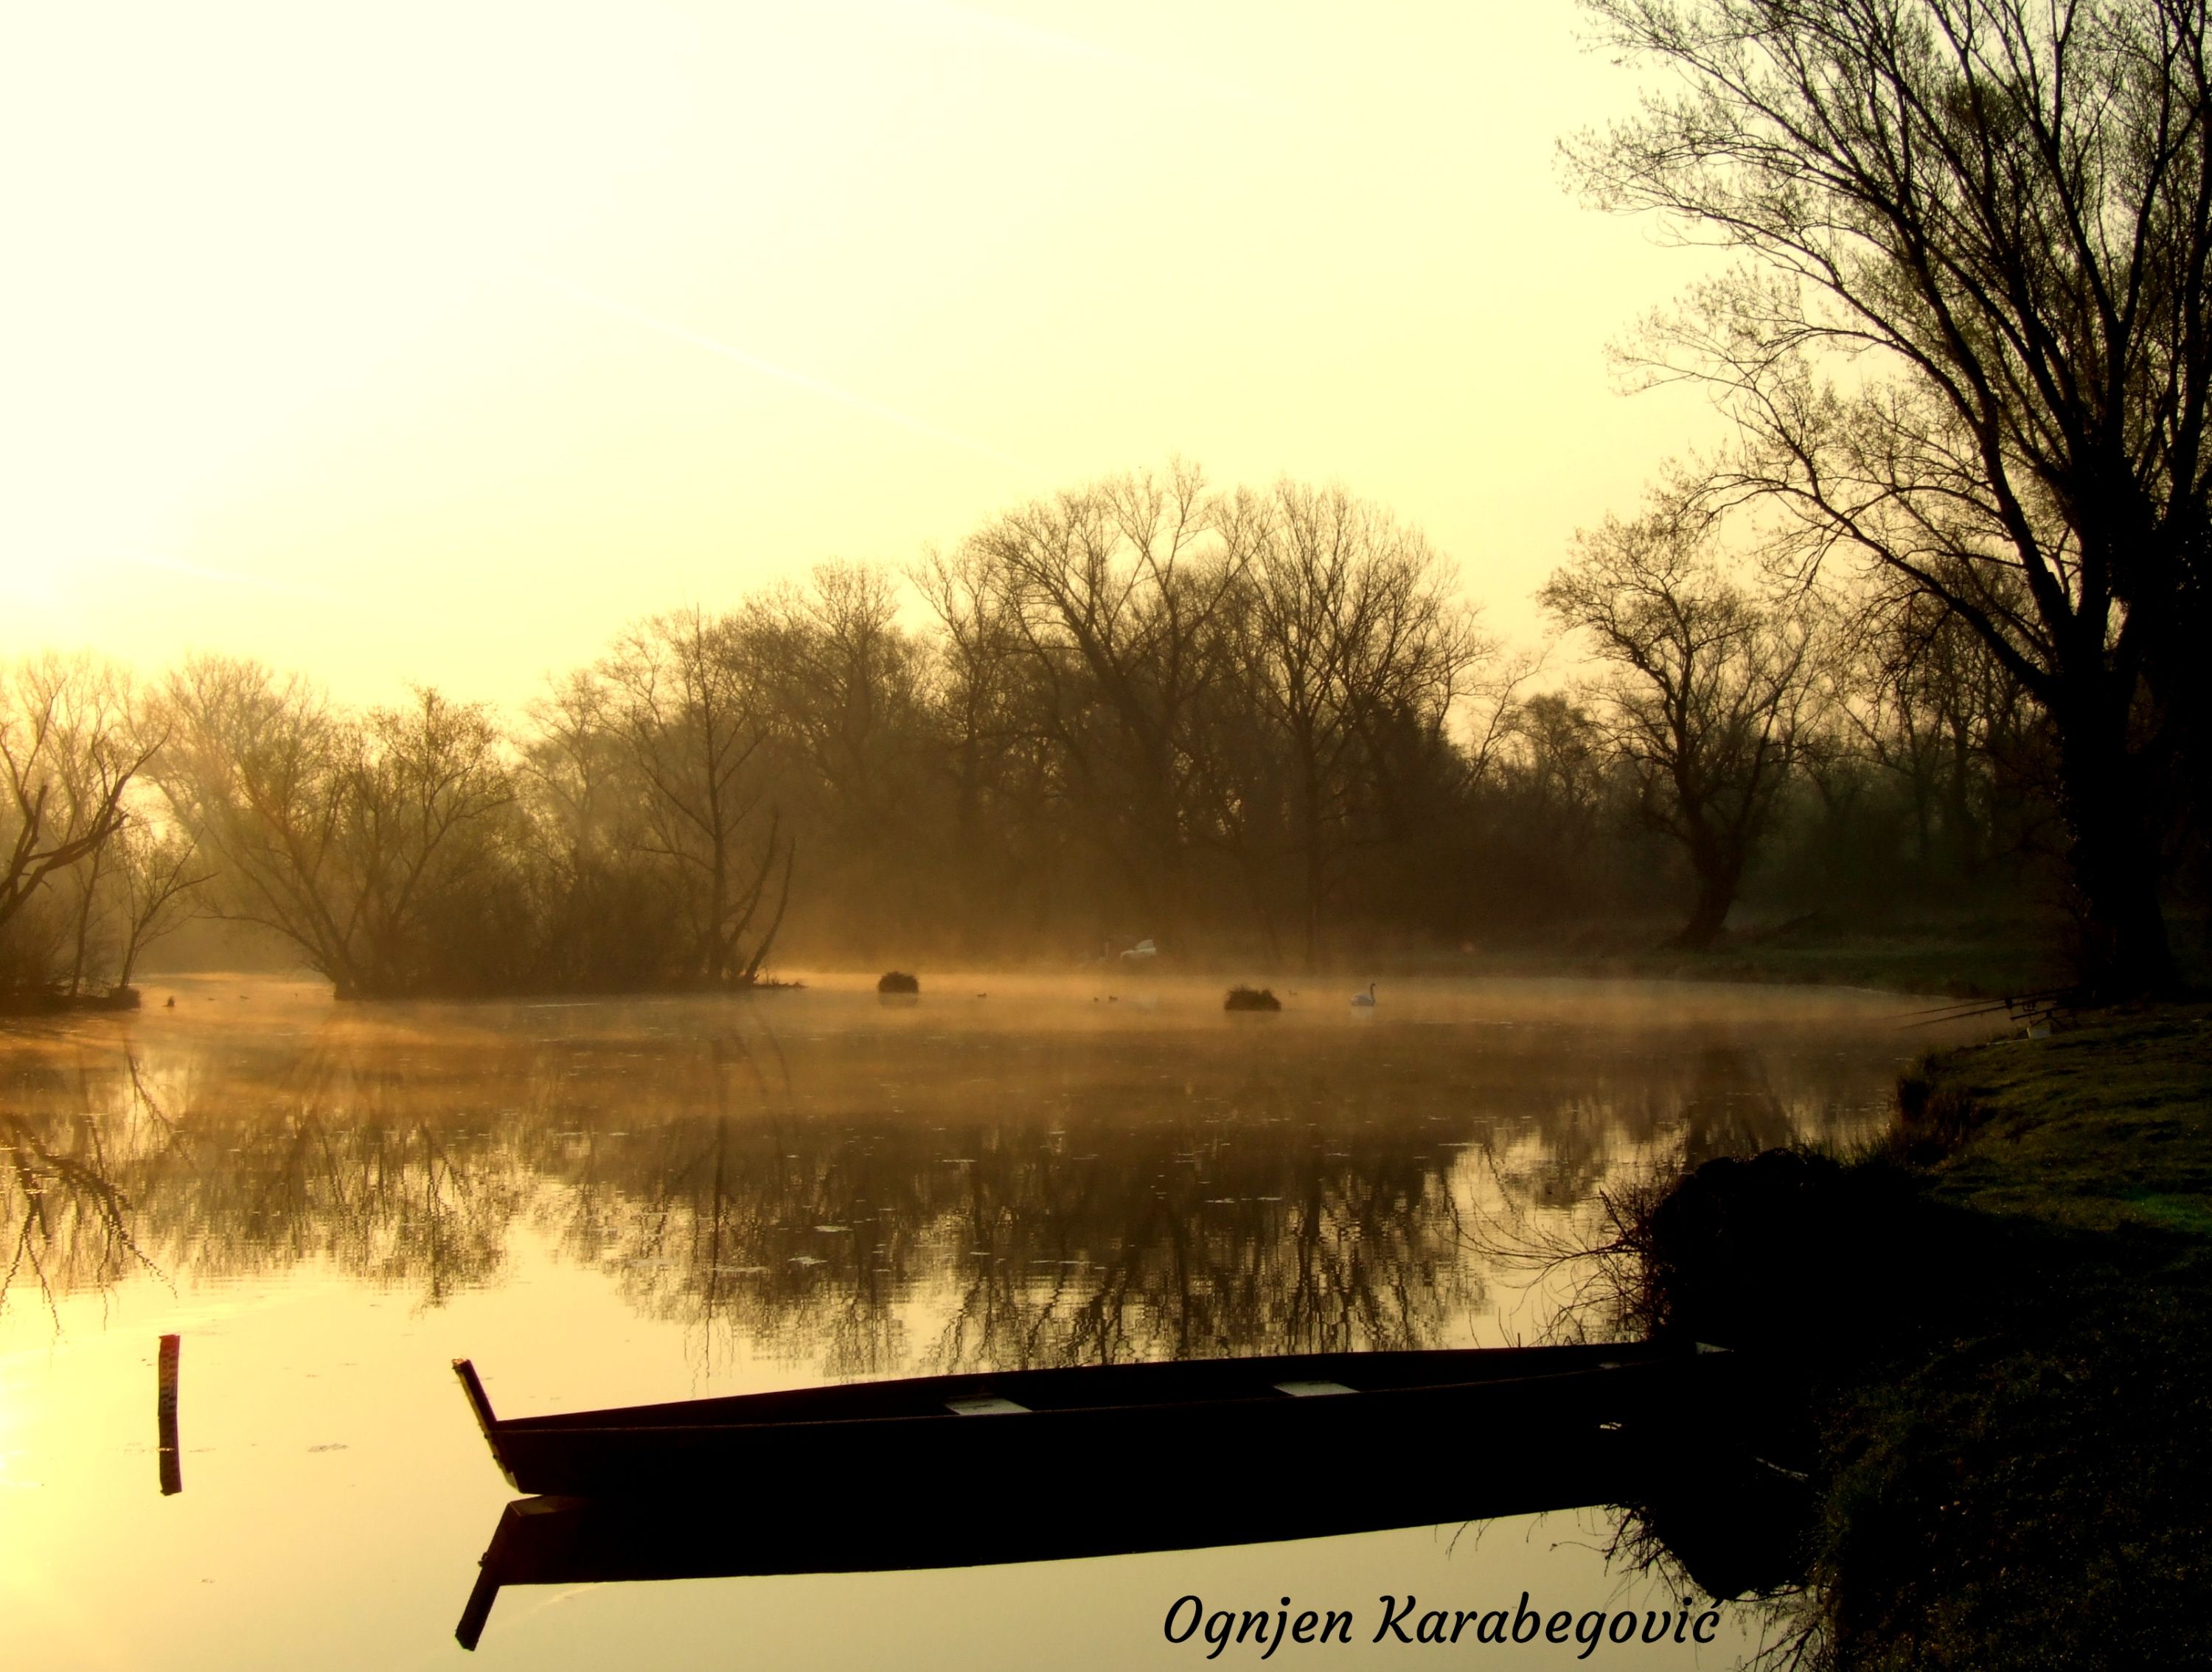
{"x":1968,"y":342}
{"x":1711,"y":695}
{"x":1262,"y":721}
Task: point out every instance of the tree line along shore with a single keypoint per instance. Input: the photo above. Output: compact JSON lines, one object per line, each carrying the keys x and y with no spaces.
{"x":1923,"y":630}
{"x":1257,"y":722}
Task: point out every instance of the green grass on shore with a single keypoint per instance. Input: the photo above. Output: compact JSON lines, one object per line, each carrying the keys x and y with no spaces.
{"x":2030,"y":1483}
{"x":2000,"y":1326}
{"x":2103,"y":1128}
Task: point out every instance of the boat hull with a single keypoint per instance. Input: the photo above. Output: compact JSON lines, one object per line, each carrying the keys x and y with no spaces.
{"x":1216,"y":1426}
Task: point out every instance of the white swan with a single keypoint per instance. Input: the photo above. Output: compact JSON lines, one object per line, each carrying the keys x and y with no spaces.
{"x":1365,"y":1000}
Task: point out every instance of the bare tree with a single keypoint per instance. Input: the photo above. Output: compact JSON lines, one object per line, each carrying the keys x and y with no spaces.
{"x":1347,"y":623}
{"x":1114,"y":592}
{"x":1925,"y":703}
{"x":349,"y":838}
{"x":603,"y":919}
{"x":977,"y":694}
{"x":843,"y":682}
{"x":69,"y":758}
{"x":687,"y":709}
{"x":89,"y":703}
{"x":425,"y":786}
{"x":253,"y":770}
{"x":572,"y":769}
{"x":1708,"y":699}
{"x":158,"y":875}
{"x":1969,"y":340}
{"x":1544,"y":806}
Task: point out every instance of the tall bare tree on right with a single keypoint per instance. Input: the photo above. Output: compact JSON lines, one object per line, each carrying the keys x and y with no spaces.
{"x":1967,"y":339}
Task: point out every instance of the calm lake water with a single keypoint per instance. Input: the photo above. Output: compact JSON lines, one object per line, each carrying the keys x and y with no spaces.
{"x":611,"y":1203}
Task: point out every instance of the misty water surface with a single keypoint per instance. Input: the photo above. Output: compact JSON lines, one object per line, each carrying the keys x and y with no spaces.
{"x":606,"y":1202}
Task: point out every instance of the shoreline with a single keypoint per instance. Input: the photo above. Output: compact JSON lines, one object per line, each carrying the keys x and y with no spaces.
{"x":1998,"y":1319}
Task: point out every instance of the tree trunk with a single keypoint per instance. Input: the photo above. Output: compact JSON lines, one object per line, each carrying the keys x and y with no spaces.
{"x":2113,"y":854}
{"x":1309,"y":822}
{"x":1717,"y":873}
{"x":1971,"y":842}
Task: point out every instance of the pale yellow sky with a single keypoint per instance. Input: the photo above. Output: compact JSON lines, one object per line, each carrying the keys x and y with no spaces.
{"x":432,"y":342}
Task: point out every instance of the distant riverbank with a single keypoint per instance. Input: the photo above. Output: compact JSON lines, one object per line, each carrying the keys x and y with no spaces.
{"x":43,"y":1000}
{"x":1962,"y":955}
{"x":2002,"y":1316}
{"x":1969,"y":958}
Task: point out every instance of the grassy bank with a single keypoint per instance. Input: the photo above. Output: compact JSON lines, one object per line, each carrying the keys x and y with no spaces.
{"x":2105,"y":1127}
{"x":2002,"y":1320}
{"x":2034,"y":1488}
{"x":1970,"y":956}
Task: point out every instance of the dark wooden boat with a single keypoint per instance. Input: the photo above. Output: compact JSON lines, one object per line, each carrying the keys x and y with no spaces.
{"x":1211,"y":1425}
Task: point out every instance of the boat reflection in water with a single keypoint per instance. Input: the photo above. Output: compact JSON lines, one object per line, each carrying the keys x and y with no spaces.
{"x":1245,"y":1452}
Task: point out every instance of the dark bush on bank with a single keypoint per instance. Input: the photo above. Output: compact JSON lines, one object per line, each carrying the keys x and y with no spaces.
{"x":1794,"y":1254}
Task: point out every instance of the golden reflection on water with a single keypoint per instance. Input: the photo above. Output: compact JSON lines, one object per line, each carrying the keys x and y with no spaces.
{"x":632,"y":1200}
{"x":856,"y":1190}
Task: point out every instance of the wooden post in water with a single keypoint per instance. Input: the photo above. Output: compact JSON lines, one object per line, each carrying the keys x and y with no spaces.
{"x":165,"y":1407}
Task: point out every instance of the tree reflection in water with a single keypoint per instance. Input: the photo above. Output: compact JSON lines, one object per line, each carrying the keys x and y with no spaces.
{"x":67,"y":1226}
{"x":861,"y":1203}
